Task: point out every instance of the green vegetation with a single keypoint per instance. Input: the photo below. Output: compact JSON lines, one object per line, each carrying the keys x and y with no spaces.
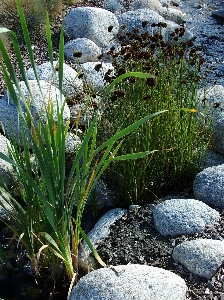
{"x":42,"y":216}
{"x":180,"y":137}
{"x":35,"y":14}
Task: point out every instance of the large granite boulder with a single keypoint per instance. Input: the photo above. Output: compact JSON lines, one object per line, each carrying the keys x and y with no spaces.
{"x":209,"y":186}
{"x":202,"y":257}
{"x":97,"y":24}
{"x":131,"y":281}
{"x":183,"y":216}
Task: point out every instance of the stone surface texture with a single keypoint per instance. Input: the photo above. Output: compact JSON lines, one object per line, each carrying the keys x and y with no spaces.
{"x":97,"y":24}
{"x":94,"y":73}
{"x":72,"y":85}
{"x":217,"y":134}
{"x":150,"y":4}
{"x":211,"y":100}
{"x":90,"y":51}
{"x":5,"y":206}
{"x":209,"y":186}
{"x":202,"y":257}
{"x":130,"y":282}
{"x":212,"y":159}
{"x":97,"y":235}
{"x":183,"y":216}
{"x":38,"y":106}
{"x":134,"y":18}
{"x":5,"y":167}
{"x":173,"y":14}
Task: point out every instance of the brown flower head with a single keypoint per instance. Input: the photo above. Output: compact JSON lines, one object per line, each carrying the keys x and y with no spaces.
{"x":77,"y":54}
{"x":110,"y":28}
{"x":151,"y":82}
{"x":98,"y":67}
{"x":144,"y":23}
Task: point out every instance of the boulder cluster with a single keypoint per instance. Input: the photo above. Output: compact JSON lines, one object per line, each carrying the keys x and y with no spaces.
{"x":92,"y":32}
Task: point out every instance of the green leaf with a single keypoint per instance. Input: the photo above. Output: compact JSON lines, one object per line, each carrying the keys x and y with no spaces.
{"x":89,"y":244}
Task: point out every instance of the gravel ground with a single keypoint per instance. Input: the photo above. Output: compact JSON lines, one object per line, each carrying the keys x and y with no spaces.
{"x":133,"y":238}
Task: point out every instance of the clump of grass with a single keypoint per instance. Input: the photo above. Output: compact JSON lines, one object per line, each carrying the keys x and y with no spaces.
{"x":179,"y":135}
{"x":35,"y":14}
{"x":42,"y":219}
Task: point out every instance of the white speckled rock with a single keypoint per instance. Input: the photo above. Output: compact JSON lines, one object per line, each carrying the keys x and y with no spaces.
{"x":212,"y":159}
{"x":209,"y":186}
{"x":134,"y":18}
{"x":90,"y":51}
{"x":8,"y":111}
{"x":150,"y":4}
{"x":212,"y":99}
{"x":173,"y":14}
{"x":217,"y":134}
{"x":5,"y":206}
{"x":72,"y":143}
{"x":72,"y":85}
{"x":127,"y":282}
{"x":5,"y":167}
{"x":94,"y":76}
{"x":116,"y":45}
{"x":97,"y":24}
{"x":97,"y":235}
{"x":202,"y":257}
{"x":183,"y":216}
{"x":115,"y":6}
{"x":171,"y":26}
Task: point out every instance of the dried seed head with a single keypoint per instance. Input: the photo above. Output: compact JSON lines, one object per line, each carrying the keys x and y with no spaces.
{"x":144,"y":23}
{"x":110,"y":28}
{"x":77,"y":54}
{"x":151,"y":82}
{"x":97,"y":67}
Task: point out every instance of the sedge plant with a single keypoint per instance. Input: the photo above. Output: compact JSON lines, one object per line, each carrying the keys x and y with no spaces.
{"x":41,"y":218}
{"x":182,"y":138}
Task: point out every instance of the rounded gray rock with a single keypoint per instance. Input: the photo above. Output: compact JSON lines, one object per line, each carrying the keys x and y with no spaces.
{"x":133,"y":281}
{"x":94,"y":73}
{"x":209,"y":186}
{"x":97,"y":235}
{"x":150,"y":4}
{"x":72,"y":85}
{"x":41,"y":96}
{"x":183,"y":216}
{"x":5,"y":168}
{"x":202,"y":257}
{"x":97,"y":24}
{"x":134,"y":18}
{"x":89,"y":50}
{"x":217,"y":134}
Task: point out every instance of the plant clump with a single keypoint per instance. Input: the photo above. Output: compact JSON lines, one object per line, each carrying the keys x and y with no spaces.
{"x":179,"y":137}
{"x":35,"y":14}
